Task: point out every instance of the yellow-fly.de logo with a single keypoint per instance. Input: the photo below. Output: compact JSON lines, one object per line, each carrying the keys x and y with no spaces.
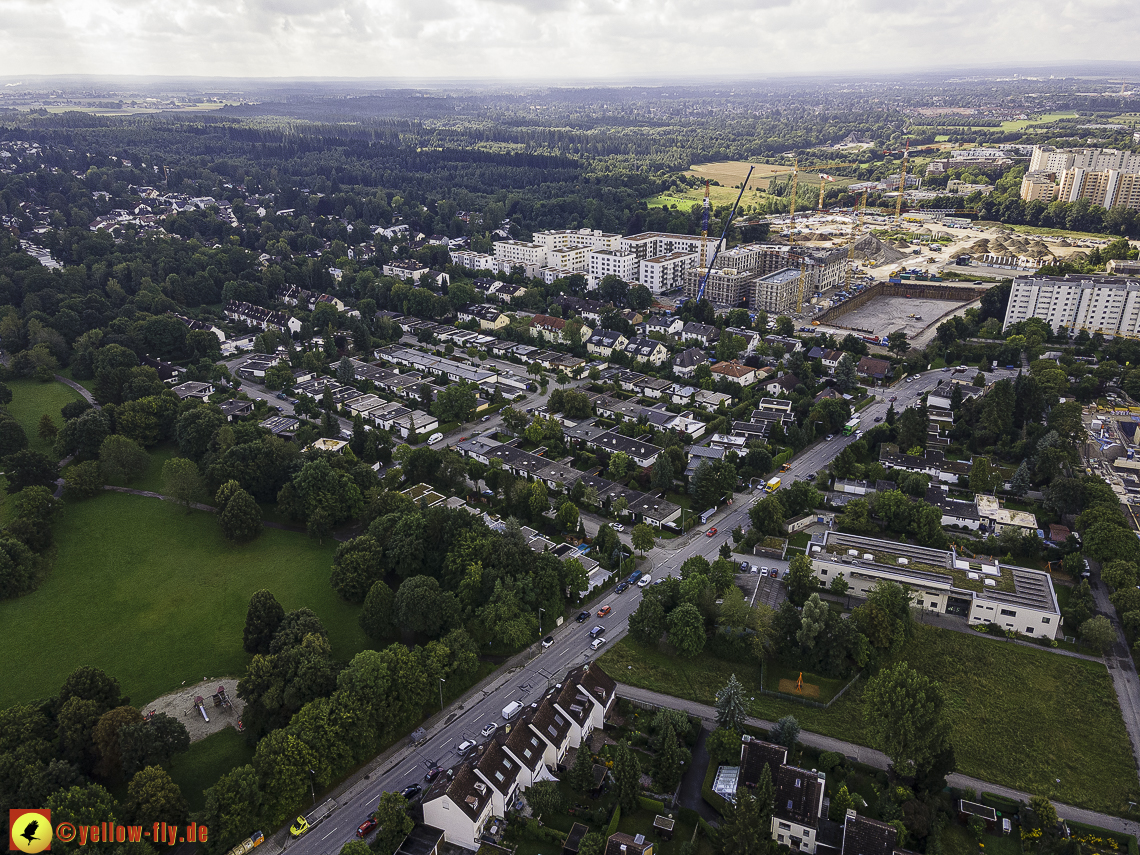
{"x":29,"y":830}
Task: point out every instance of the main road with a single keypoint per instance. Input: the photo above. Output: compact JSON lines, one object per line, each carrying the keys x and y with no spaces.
{"x":533,"y":672}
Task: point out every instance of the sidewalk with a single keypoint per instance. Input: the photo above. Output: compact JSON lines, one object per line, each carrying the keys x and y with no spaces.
{"x":878,"y":760}
{"x":1122,"y":669}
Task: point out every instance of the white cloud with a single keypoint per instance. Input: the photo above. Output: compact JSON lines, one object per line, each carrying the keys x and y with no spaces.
{"x":549,"y":39}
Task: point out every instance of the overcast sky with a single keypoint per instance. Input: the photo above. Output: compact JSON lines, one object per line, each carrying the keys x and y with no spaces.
{"x":551,"y":39}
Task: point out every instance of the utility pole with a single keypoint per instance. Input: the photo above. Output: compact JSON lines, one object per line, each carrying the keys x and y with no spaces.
{"x":540,"y":611}
{"x":441,"y":682}
{"x":312,"y":791}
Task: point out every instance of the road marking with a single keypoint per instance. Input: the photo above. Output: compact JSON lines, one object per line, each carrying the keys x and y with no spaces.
{"x":331,"y":831}
{"x":477,"y":717}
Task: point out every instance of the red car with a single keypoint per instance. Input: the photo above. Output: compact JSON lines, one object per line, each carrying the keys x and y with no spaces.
{"x":604,"y":610}
{"x":710,"y":532}
{"x":366,"y":827}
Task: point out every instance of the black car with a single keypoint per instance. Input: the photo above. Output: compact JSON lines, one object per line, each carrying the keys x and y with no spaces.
{"x":433,"y":773}
{"x":621,"y":587}
{"x":582,"y":617}
{"x":810,"y":476}
{"x":411,"y":791}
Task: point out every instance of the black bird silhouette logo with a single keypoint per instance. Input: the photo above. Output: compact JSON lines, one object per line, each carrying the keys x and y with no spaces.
{"x":29,"y":832}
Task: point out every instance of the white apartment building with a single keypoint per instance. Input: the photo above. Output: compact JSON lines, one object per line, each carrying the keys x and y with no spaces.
{"x":571,"y":257}
{"x":472,"y":260}
{"x":657,"y":244}
{"x":1038,"y":187}
{"x":601,"y":263}
{"x":666,"y":272}
{"x":1106,"y":304}
{"x":979,"y":154}
{"x":777,"y":293}
{"x":511,"y":252}
{"x":589,"y":238}
{"x":1046,"y":158}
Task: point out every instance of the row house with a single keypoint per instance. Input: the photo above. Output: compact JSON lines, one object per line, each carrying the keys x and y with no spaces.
{"x":256,"y":316}
{"x":604,"y":342}
{"x":647,"y":350}
{"x":488,"y":317}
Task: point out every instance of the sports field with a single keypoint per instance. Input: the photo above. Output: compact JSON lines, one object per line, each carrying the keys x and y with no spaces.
{"x":155,"y":597}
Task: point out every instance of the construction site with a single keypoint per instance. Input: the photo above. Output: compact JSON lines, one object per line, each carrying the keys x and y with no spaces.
{"x":884,"y":308}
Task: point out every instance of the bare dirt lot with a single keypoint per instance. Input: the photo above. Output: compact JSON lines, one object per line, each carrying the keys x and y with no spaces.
{"x":180,"y":705}
{"x":884,"y":315}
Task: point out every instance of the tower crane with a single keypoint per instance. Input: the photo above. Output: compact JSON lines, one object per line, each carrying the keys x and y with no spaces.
{"x":902,"y":184}
{"x":723,"y":234}
{"x":803,"y":277}
{"x":856,"y":230}
{"x":792,"y":205}
{"x":704,"y":226}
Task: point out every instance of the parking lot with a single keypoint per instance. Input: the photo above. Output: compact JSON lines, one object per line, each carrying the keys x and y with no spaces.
{"x":762,"y":589}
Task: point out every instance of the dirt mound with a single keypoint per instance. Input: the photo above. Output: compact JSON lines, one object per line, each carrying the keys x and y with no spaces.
{"x":874,"y":252}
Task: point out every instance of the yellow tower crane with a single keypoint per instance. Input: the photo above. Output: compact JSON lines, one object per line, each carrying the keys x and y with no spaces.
{"x":902,"y":184}
{"x":803,"y":277}
{"x":704,"y":227}
{"x":792,"y":206}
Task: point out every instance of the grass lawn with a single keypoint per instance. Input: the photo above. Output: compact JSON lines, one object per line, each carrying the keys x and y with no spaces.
{"x":30,"y":400}
{"x":774,"y":672}
{"x":155,"y":596}
{"x":959,"y":840}
{"x":1052,"y":716}
{"x":200,"y":767}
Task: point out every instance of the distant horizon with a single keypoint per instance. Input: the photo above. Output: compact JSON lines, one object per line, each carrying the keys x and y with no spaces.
{"x":538,"y":41}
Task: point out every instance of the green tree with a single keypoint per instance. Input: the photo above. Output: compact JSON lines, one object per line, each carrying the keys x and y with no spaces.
{"x":785,"y":732}
{"x":153,"y":742}
{"x":581,"y":773}
{"x":422,"y":606}
{"x":233,"y":806}
{"x":1120,"y":574}
{"x":767,"y":516}
{"x":262,"y":620}
{"x":663,"y":475}
{"x":839,"y":585}
{"x":840,"y":803}
{"x":152,"y":795}
{"x":105,"y":736}
{"x":47,"y":429}
{"x":620,"y":465}
{"x":983,"y":477}
{"x":182,"y":481}
{"x":647,"y":623}
{"x":897,"y":343}
{"x":813,"y":623}
{"x":906,"y":717}
{"x":723,"y":746}
{"x":668,"y":764}
{"x":1099,"y":632}
{"x":82,"y":480}
{"x":567,"y":516}
{"x":544,"y":799}
{"x":395,"y":823}
{"x":643,"y":537}
{"x":240,"y":516}
{"x":800,"y":580}
{"x":378,"y":618}
{"x":357,"y":565}
{"x":742,"y":831}
{"x":122,"y":459}
{"x":627,"y":778}
{"x":846,"y":376}
{"x":686,"y":630}
{"x":593,"y":843}
{"x":730,"y":708}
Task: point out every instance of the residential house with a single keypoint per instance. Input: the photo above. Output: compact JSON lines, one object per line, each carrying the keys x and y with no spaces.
{"x":195,"y":390}
{"x":620,"y":843}
{"x":665,"y":325}
{"x":553,"y":329}
{"x":488,"y":317}
{"x":461,"y":806}
{"x":830,"y":358}
{"x":704,"y":334}
{"x":869,"y":368}
{"x":799,"y":793}
{"x":734,"y":371}
{"x":751,"y":337}
{"x":641,"y":453}
{"x":407,"y":269}
{"x":647,"y":350}
{"x":585,"y":698}
{"x":501,"y":772}
{"x":256,"y":316}
{"x":865,"y":836}
{"x":235,"y":409}
{"x":954,"y":511}
{"x":604,"y":342}
{"x":553,"y":727}
{"x":1000,"y":519}
{"x":685,"y":363}
{"x":785,"y":384}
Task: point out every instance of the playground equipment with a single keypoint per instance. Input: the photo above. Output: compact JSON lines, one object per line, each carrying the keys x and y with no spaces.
{"x":221,"y":699}
{"x":149,"y":714}
{"x":200,"y":703}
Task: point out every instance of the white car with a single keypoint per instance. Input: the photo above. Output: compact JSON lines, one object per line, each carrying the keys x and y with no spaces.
{"x":618,"y":527}
{"x":489,"y":729}
{"x":596,"y":643}
{"x":763,"y":571}
{"x":644,"y":580}
{"x":465,"y":746}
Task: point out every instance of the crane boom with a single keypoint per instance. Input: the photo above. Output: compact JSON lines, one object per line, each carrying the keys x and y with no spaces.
{"x":856,"y":229}
{"x":792,"y":205}
{"x":723,"y":234}
{"x":704,"y":225}
{"x":902,"y":183}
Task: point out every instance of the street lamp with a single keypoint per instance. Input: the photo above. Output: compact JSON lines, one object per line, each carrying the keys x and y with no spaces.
{"x":441,"y":682}
{"x":312,"y":774}
{"x":540,"y":611}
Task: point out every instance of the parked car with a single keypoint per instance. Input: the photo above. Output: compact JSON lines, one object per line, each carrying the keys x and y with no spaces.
{"x":743,"y":566}
{"x":763,"y":572}
{"x":810,"y":476}
{"x":830,"y":437}
{"x":411,"y":791}
{"x":433,"y":773}
{"x":893,"y":398}
{"x":596,"y":631}
{"x":878,"y":418}
{"x":596,"y":643}
{"x":711,"y":532}
{"x":604,"y":610}
{"x":621,"y":586}
{"x":489,"y":729}
{"x":582,"y":617}
{"x":366,"y":827}
{"x":485,"y":419}
{"x":465,"y":746}
{"x":281,"y":396}
{"x":644,"y":580}
{"x":775,"y":573}
{"x":547,"y":642}
{"x":618,"y":527}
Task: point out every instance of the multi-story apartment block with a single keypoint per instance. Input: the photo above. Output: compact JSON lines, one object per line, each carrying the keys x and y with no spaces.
{"x":1105,"y":304}
{"x":601,"y":263}
{"x":666,"y":272}
{"x":472,"y":260}
{"x":592,"y":239}
{"x":1039,"y":187}
{"x":656,"y":244}
{"x":776,"y":293}
{"x":1046,"y":158}
{"x":568,"y":257}
{"x":511,"y":252}
{"x":1107,"y":177}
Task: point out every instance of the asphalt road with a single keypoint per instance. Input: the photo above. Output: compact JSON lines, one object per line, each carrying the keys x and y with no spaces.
{"x":528,"y":682}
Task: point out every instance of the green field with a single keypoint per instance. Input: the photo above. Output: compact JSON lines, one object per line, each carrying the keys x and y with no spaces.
{"x":30,"y":400}
{"x":1021,"y":717}
{"x":155,"y":596}
{"x":204,"y":762}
